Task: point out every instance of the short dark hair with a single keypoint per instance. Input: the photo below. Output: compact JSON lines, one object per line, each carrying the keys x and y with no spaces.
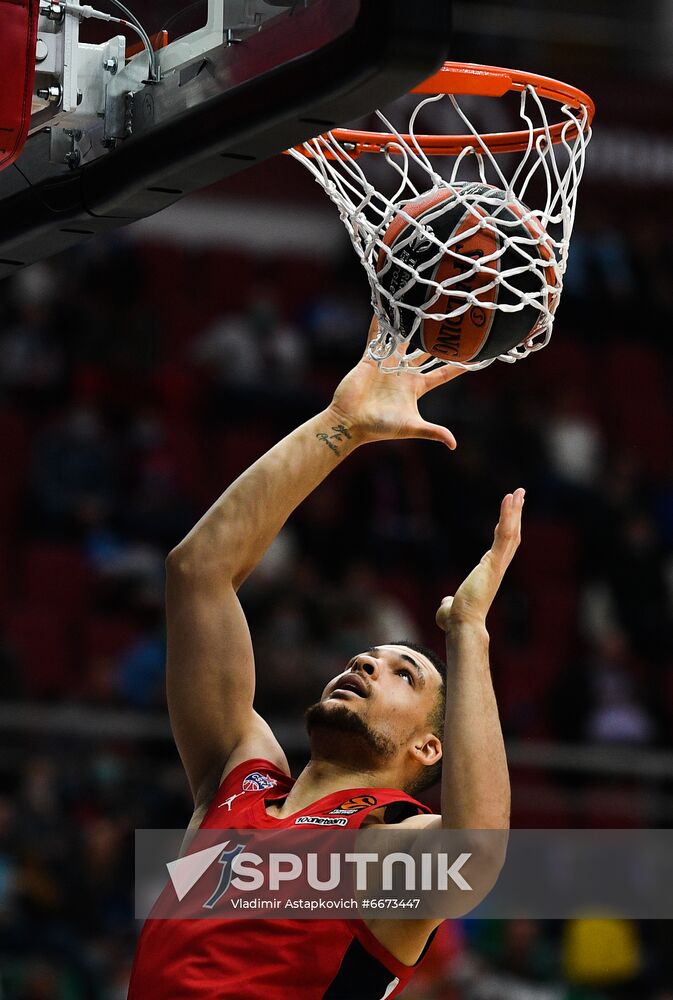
{"x":430,"y":775}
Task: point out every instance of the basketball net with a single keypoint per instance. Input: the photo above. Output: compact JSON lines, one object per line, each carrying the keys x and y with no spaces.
{"x":545,"y":160}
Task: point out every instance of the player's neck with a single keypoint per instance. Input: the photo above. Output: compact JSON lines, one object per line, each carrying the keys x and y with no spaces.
{"x":322,"y":777}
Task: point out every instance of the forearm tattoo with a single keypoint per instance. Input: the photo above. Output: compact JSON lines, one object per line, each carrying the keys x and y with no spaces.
{"x":331,"y":440}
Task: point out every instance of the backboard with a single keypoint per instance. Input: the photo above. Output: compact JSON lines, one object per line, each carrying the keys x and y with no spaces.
{"x":114,"y":139}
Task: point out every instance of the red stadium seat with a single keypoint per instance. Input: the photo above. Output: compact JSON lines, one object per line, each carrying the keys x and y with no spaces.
{"x":43,"y":640}
{"x":185,"y":445}
{"x":176,"y":389}
{"x":233,"y":451}
{"x":56,"y":576}
{"x":565,"y":360}
{"x":17,"y":72}
{"x":522,"y":679}
{"x":550,"y":552}
{"x":554,"y":621}
{"x":638,"y":406}
{"x":106,"y":635}
{"x":617,"y":804}
{"x":538,"y":803}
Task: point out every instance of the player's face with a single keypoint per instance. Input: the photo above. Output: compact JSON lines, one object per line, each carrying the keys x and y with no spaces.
{"x":392,"y":688}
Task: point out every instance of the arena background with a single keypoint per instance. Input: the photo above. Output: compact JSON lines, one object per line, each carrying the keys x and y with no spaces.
{"x":140,"y":374}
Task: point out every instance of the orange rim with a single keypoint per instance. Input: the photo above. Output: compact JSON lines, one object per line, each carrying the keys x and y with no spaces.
{"x":157,"y":41}
{"x":487,"y":81}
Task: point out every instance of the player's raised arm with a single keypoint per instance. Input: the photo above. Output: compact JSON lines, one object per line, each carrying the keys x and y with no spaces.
{"x":210,"y":668}
{"x":475,"y":780}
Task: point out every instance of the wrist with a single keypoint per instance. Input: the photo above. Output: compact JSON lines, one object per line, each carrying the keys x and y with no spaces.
{"x":460,"y":626}
{"x":340,"y":429}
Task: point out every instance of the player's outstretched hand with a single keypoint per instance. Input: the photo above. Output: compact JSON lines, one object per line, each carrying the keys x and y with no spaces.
{"x":474,"y":597}
{"x":382,"y":406}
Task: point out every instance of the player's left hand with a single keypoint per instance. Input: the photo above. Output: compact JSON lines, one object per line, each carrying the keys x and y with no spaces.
{"x":474,"y":597}
{"x":383,"y":406}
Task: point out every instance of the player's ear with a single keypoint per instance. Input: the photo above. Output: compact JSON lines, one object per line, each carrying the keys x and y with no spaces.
{"x":428,"y":749}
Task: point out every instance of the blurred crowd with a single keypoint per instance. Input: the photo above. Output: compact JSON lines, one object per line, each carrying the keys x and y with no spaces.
{"x":136,"y":382}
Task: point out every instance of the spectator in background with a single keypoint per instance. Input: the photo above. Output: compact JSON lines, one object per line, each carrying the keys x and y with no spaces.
{"x":31,"y":355}
{"x":635,"y":572}
{"x":155,"y":510}
{"x":574,"y":442}
{"x":141,"y":669}
{"x":509,"y":960}
{"x":256,"y":362}
{"x":73,"y":463}
{"x":617,"y":714}
{"x":392,"y":502}
{"x":598,"y":699}
{"x":228,"y":354}
{"x":650,"y":244}
{"x":604,"y":958}
{"x":116,"y":327}
{"x":602,"y":285}
{"x":333,"y":317}
{"x":385,"y":613}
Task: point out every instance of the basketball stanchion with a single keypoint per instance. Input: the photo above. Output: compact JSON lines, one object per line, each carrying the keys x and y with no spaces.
{"x":465,"y":263}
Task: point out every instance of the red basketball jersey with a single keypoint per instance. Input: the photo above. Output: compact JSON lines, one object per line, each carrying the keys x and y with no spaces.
{"x":250,"y":959}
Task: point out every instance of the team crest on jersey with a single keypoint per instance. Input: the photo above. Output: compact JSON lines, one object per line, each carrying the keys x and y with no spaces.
{"x":354,"y":805}
{"x":321,"y":821}
{"x":256,"y":782}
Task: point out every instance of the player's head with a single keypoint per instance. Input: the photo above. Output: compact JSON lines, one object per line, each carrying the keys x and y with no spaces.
{"x":385,"y":711}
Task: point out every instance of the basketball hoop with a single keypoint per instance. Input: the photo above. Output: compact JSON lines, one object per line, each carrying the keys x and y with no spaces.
{"x":490,"y":171}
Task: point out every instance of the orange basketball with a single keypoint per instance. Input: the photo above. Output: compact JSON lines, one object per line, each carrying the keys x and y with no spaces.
{"x":480,"y":331}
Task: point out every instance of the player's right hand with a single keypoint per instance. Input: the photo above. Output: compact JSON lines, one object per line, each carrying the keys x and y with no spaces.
{"x":382,"y":406}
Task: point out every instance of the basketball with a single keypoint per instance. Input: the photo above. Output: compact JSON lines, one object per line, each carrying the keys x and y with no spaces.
{"x":506,"y":237}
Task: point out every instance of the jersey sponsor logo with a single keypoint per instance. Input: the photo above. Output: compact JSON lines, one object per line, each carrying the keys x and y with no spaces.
{"x":354,"y":805}
{"x":321,"y":821}
{"x":256,"y":782}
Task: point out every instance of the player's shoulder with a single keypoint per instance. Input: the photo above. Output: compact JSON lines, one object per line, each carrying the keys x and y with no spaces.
{"x":246,"y":781}
{"x":259,"y":743}
{"x":254,"y":774}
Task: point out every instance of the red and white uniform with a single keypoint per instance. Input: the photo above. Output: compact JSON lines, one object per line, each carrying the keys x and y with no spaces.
{"x":250,"y":959}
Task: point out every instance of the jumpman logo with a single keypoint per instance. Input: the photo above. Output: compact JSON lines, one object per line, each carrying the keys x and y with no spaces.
{"x":228,"y":802}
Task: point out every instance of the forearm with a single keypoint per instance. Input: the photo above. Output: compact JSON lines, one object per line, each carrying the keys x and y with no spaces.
{"x":475,"y":780}
{"x":233,"y":535}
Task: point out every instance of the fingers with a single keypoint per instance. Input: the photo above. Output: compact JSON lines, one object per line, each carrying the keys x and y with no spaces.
{"x":511,"y":507}
{"x":442,"y":615}
{"x":434,"y":432}
{"x":440,"y":376}
{"x":508,"y":528}
{"x":371,"y":334}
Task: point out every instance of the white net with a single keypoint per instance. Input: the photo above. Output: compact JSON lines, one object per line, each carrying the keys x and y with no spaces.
{"x":518,"y":206}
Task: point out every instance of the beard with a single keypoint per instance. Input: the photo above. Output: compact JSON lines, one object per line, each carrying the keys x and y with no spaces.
{"x":327,"y":725}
